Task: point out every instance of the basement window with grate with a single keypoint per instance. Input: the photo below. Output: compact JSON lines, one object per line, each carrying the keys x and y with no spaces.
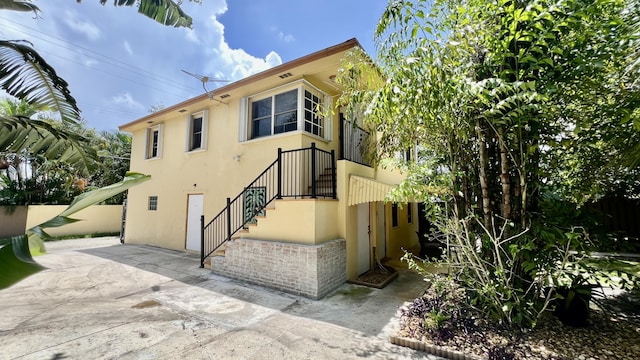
{"x":153,"y":203}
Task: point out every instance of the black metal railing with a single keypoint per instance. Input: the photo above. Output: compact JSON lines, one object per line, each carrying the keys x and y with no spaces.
{"x":354,"y":142}
{"x":301,"y":173}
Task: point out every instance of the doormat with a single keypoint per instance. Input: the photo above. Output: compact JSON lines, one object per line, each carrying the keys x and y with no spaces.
{"x":376,"y":278}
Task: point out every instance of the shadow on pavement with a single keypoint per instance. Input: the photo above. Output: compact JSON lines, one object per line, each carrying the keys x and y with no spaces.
{"x":367,"y":310}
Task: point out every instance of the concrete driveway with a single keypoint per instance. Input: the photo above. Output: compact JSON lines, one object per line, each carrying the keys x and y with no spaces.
{"x":103,"y":300}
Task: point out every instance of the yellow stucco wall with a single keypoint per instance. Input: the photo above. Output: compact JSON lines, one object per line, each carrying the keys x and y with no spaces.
{"x":404,"y":235}
{"x":304,"y":221}
{"x":348,"y":215}
{"x":96,"y":219}
{"x":227,"y":166}
{"x":220,"y":171}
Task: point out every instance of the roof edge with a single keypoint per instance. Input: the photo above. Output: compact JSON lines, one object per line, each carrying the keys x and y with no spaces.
{"x":351,"y":43}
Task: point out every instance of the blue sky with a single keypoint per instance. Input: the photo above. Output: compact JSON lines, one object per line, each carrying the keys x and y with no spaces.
{"x":119,"y":64}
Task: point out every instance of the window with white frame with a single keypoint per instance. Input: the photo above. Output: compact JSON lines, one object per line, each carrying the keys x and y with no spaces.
{"x":197,"y":131}
{"x":313,"y":123}
{"x":154,"y":142}
{"x":277,"y":112}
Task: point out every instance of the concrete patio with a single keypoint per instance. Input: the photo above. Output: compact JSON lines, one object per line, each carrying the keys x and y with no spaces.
{"x":103,"y":300}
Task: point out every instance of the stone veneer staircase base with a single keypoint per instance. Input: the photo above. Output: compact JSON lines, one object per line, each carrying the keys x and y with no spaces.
{"x":308,"y":270}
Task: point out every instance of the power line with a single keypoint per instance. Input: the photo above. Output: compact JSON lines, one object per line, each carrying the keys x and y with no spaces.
{"x":115,"y":75}
{"x":109,"y":60}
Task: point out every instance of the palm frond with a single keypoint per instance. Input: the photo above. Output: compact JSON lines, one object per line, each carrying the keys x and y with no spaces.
{"x":39,"y":137}
{"x":24,"y":74}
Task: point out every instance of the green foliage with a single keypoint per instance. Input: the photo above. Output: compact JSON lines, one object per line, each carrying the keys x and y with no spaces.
{"x":505,"y":99}
{"x":16,"y":261}
{"x":25,"y":75}
{"x":50,"y":162}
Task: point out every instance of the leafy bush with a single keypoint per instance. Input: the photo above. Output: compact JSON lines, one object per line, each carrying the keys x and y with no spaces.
{"x":512,"y":277}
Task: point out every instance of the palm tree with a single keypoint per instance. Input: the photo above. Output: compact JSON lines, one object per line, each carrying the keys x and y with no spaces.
{"x":25,"y":75}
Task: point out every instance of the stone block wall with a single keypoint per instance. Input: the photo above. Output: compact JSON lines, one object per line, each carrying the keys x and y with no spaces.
{"x":309,"y":270}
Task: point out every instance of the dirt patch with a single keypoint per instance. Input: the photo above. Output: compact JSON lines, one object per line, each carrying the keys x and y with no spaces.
{"x":146,"y":304}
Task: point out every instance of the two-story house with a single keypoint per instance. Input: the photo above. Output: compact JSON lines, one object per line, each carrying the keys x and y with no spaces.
{"x":263,"y":185}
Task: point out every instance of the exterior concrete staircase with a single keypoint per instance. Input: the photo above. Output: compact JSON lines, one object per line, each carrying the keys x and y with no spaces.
{"x":220,"y":251}
{"x":324,"y":183}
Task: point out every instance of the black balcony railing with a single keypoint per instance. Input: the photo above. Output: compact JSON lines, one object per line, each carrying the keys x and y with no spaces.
{"x":300,"y":173}
{"x":354,"y":142}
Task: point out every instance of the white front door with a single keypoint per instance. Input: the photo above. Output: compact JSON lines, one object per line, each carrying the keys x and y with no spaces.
{"x":364,"y":248}
{"x":195,"y":209}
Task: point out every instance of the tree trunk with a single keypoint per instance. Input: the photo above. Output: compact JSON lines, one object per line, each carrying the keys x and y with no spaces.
{"x":505,"y":179}
{"x":483,"y":168}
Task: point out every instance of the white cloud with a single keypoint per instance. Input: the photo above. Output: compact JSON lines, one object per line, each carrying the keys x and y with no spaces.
{"x":273,"y":59}
{"x":88,"y":29}
{"x":127,"y":100}
{"x":127,"y":48}
{"x":88,"y":62}
{"x":192,"y":36}
{"x":286,"y":37}
{"x":235,"y":63}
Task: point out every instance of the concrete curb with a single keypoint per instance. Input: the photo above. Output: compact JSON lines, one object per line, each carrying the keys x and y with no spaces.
{"x":432,"y":349}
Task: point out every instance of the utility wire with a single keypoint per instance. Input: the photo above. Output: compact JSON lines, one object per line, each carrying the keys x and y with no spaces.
{"x":109,"y":60}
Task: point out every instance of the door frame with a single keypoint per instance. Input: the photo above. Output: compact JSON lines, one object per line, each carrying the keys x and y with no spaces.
{"x":193,"y":222}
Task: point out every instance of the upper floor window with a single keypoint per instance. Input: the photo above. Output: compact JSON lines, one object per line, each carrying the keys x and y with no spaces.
{"x":197,"y":131}
{"x":275,"y":112}
{"x":154,"y":142}
{"x":312,"y":122}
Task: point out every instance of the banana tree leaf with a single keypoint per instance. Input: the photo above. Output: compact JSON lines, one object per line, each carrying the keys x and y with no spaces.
{"x":93,"y":197}
{"x":166,"y":12}
{"x":16,"y":261}
{"x":17,"y":5}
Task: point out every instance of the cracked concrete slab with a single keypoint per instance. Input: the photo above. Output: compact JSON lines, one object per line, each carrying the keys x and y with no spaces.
{"x":99,"y":299}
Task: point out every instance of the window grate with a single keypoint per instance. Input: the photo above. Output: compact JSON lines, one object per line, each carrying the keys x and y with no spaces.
{"x":153,"y":203}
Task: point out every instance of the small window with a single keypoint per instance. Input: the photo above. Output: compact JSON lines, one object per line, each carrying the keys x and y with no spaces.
{"x":154,"y":145}
{"x":197,"y":131}
{"x":153,"y":203}
{"x":394,"y":214}
{"x":409,"y":214}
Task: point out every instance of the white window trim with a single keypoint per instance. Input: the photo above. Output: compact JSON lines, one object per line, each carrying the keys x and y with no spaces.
{"x":244,"y":121}
{"x":205,"y":130}
{"x":148,"y":139}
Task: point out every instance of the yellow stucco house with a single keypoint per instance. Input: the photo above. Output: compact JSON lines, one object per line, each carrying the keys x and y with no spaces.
{"x":263,"y":187}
